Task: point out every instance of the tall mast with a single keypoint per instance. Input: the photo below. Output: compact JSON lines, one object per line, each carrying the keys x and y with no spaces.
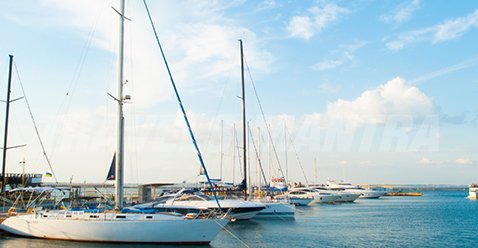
{"x":7,"y":113}
{"x":244,"y":131}
{"x":120,"y":121}
{"x":222,"y":153}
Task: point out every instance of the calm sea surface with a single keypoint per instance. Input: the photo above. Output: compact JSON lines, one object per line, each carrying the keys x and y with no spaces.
{"x":437,"y":219}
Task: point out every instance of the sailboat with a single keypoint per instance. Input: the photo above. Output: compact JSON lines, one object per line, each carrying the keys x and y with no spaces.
{"x":116,"y":226}
{"x":274,"y":209}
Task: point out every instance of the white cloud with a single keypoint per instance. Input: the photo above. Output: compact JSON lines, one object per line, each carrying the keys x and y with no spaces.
{"x":301,"y":26}
{"x":346,"y":56}
{"x":266,"y":5}
{"x":448,"y":30}
{"x":427,"y":161}
{"x":330,"y":64}
{"x":402,"y":13}
{"x":458,"y":161}
{"x":453,"y":29}
{"x":446,"y":70}
{"x":395,"y":99}
{"x":463,"y":161}
{"x":329,"y":88}
{"x":316,"y":20}
{"x":201,"y":47}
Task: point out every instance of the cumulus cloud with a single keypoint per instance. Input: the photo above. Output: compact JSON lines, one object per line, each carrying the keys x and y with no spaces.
{"x":314,"y":21}
{"x":394,"y":99}
{"x":445,"y":31}
{"x":402,"y":13}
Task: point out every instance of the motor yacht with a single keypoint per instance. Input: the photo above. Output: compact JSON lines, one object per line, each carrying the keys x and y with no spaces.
{"x":343,"y":196}
{"x":319,"y":195}
{"x":297,"y":197}
{"x":349,"y":188}
{"x":193,"y":201}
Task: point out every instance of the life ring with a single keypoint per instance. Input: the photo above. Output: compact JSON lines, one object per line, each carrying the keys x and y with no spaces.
{"x":30,"y":210}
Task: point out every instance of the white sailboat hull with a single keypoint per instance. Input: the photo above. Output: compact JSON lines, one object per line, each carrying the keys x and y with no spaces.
{"x":277,"y":210}
{"x":131,"y":228}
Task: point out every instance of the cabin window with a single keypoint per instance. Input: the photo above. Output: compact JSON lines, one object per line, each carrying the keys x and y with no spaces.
{"x":93,"y":216}
{"x":68,"y":216}
{"x":120,"y":217}
{"x":149,"y":217}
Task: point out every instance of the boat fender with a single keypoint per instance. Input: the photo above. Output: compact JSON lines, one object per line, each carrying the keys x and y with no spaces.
{"x":191,"y":216}
{"x":11,"y":212}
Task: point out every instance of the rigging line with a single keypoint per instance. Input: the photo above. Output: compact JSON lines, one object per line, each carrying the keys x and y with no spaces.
{"x":34,"y":123}
{"x":257,"y":155}
{"x":236,"y":148}
{"x":291,"y":141}
{"x":134,"y":141}
{"x":215,"y":118}
{"x":76,"y":77}
{"x":264,"y":118}
{"x":182,"y":107}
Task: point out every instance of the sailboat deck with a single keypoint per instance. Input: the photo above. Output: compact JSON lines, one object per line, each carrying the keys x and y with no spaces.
{"x":81,"y":215}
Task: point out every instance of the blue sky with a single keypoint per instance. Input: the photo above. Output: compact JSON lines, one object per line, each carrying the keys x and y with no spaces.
{"x":374,"y":91}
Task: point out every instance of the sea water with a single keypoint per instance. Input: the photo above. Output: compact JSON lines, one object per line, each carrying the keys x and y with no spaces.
{"x":436,"y":219}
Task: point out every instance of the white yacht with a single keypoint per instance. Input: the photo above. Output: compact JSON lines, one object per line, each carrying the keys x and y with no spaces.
{"x":319,"y":196}
{"x":343,"y":196}
{"x":473,"y":192}
{"x":116,"y":226}
{"x":349,"y":188}
{"x":297,"y":197}
{"x":193,"y":201}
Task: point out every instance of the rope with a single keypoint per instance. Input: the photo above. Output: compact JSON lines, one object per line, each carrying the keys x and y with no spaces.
{"x":235,"y":236}
{"x":257,"y":155}
{"x":291,"y":141}
{"x":264,"y":118}
{"x":181,"y":106}
{"x":34,"y":123}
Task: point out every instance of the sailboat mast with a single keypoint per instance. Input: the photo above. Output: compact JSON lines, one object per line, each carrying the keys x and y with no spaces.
{"x":120,"y":122}
{"x":244,"y":131}
{"x":7,"y":113}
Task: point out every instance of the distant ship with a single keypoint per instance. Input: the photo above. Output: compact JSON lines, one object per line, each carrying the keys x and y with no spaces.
{"x":472,"y":194}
